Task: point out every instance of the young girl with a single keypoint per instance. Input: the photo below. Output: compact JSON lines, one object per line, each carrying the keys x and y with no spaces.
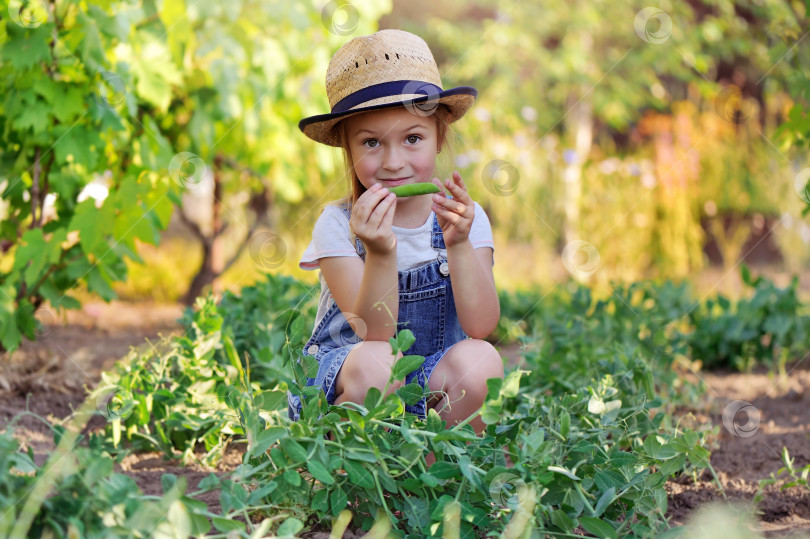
{"x":425,"y":260}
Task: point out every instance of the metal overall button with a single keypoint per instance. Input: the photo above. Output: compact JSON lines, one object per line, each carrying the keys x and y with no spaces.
{"x":444,"y":269}
{"x":312,"y":350}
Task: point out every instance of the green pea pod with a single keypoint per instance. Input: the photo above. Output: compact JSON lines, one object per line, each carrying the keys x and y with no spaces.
{"x":414,"y":189}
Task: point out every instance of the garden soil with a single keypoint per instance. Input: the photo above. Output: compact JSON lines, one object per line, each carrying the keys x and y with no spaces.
{"x":48,"y":379}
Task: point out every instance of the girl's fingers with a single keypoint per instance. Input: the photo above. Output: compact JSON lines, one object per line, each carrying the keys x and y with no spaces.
{"x":388,"y":217}
{"x":443,"y":212}
{"x":449,"y":204}
{"x":369,"y":200}
{"x":383,"y":207}
{"x":438,"y":183}
{"x":457,"y":188}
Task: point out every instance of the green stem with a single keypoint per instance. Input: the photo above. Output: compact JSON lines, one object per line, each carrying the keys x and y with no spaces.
{"x":52,"y":470}
{"x":717,"y":480}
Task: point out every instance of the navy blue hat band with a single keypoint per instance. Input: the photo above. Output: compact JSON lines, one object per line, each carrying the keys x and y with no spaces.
{"x":386,"y":89}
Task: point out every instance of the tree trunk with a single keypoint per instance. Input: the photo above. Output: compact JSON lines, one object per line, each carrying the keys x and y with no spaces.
{"x":579,"y":133}
{"x":579,"y":125}
{"x":213,"y":261}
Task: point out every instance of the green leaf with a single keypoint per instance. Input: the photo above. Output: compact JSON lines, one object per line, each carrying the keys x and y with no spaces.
{"x":155,"y":73}
{"x":565,"y":423}
{"x":444,"y":470}
{"x":93,"y":225}
{"x":71,"y":104}
{"x":373,"y":396}
{"x":598,"y":528}
{"x":607,"y":479}
{"x":99,"y":283}
{"x":338,"y":501}
{"x":35,"y":115}
{"x":91,"y":48}
{"x":560,"y":519}
{"x":167,"y":482}
{"x":320,"y":501}
{"x":267,"y":438}
{"x":361,"y":456}
{"x":604,"y":501}
{"x":271,"y":401}
{"x":429,"y":479}
{"x":320,"y":472}
{"x":406,"y":365}
{"x":78,"y":144}
{"x":511,"y":384}
{"x":292,"y":477}
{"x":358,"y":474}
{"x":403,"y":340}
{"x":227,"y":525}
{"x":26,"y":47}
{"x":259,"y":494}
{"x":209,"y":482}
{"x":434,"y":421}
{"x":179,"y":518}
{"x":411,"y":393}
{"x":36,"y":254}
{"x":290,"y":527}
{"x":657,"y":450}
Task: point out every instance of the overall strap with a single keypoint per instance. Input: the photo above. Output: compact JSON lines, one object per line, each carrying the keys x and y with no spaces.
{"x":436,"y":237}
{"x":358,"y":245}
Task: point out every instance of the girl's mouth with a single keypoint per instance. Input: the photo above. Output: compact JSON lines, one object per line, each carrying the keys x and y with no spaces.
{"x":394,"y":182}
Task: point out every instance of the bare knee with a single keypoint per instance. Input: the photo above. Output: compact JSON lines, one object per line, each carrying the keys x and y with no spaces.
{"x":367,"y":365}
{"x":466,"y":367}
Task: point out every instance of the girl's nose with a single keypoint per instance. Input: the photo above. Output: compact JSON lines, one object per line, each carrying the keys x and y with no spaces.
{"x":393,"y":159}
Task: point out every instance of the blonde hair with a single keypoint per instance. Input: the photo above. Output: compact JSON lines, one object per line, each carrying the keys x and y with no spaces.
{"x":355,"y":188}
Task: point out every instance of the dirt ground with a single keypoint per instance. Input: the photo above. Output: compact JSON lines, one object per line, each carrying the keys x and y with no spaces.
{"x":48,"y":378}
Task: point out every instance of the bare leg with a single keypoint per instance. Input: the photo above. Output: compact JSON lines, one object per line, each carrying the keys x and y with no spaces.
{"x":367,"y":365}
{"x":462,"y":376}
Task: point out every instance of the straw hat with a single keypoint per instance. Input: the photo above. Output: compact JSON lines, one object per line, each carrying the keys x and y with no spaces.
{"x":386,"y":69}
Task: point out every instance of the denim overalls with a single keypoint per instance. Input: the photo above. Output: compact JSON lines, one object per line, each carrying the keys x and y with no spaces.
{"x":426,"y":307}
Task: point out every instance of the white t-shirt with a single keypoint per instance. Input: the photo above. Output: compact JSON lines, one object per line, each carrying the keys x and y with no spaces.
{"x":332,"y":237}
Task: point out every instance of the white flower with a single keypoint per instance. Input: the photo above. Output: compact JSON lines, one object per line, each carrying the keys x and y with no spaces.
{"x":482,"y":114}
{"x":528,"y":113}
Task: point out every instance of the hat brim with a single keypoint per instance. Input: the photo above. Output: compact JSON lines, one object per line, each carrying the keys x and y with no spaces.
{"x":458,"y":101}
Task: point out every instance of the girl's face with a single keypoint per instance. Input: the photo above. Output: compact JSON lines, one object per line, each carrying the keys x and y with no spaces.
{"x":392,"y":147}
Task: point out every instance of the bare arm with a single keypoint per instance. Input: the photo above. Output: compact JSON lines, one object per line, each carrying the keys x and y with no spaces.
{"x":367,"y":292}
{"x":473,"y":284}
{"x":474,"y":291}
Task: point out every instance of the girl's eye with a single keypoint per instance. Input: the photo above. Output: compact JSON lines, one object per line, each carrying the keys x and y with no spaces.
{"x":371,"y":143}
{"x":413,"y":139}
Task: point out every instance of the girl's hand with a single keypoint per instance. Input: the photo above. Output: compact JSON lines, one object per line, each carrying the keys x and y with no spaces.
{"x":455,"y":215}
{"x":371,"y":219}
